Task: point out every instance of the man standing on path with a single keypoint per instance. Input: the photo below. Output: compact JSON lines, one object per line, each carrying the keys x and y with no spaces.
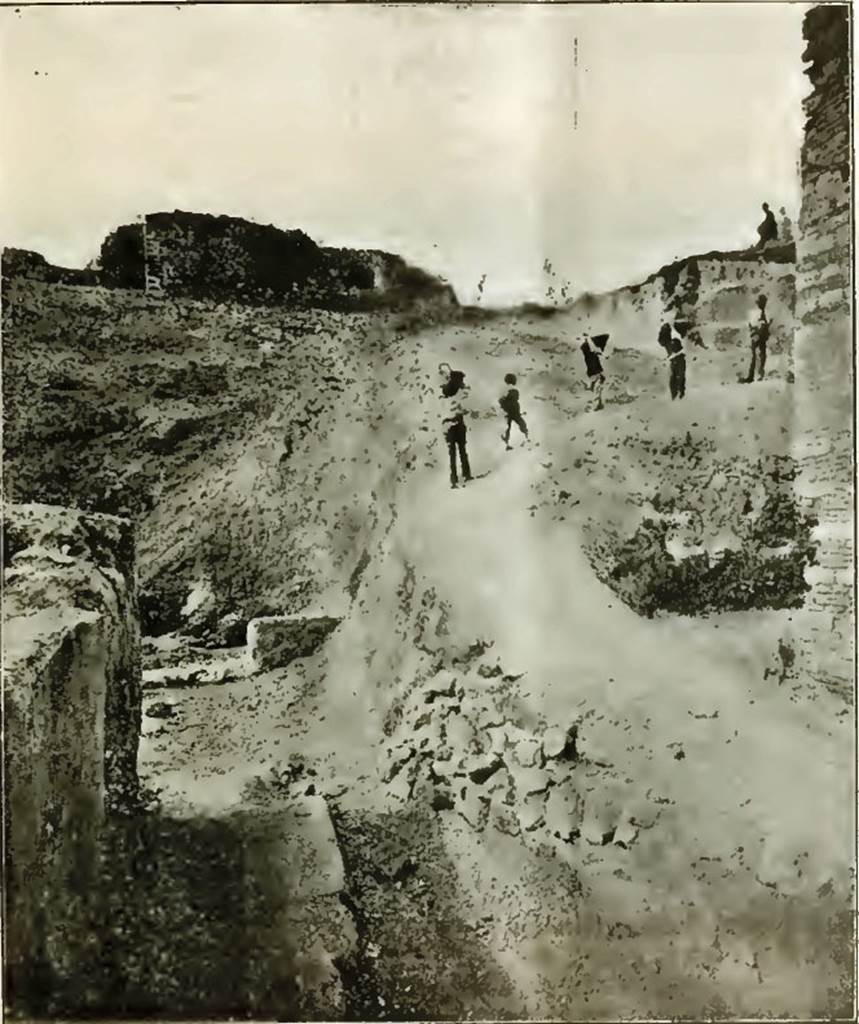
{"x":456,"y":436}
{"x":760,"y":333}
{"x":456,"y":432}
{"x":509,"y":403}
{"x":593,"y":348}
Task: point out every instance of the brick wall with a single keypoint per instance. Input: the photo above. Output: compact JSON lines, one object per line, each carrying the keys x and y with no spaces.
{"x":823,"y":353}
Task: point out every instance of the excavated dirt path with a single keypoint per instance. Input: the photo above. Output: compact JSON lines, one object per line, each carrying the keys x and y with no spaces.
{"x":727,"y":893}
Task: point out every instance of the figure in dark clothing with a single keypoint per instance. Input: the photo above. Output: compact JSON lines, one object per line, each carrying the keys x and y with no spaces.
{"x":455,"y":380}
{"x":760,"y":333}
{"x":768,"y":229}
{"x":509,"y":403}
{"x":672,"y":342}
{"x":455,"y":436}
{"x":592,"y":349}
{"x":677,"y":359}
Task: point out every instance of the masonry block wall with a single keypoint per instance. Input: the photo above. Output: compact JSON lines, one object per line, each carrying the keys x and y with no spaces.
{"x":71,"y":715}
{"x":823,"y":347}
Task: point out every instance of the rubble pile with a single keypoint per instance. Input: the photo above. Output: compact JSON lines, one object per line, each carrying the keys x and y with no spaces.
{"x":465,"y":742}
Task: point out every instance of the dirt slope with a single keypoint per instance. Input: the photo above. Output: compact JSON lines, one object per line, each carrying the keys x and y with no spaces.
{"x":730,"y":789}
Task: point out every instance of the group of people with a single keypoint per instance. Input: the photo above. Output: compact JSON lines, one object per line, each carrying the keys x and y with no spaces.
{"x":456,"y":431}
{"x":672,"y":339}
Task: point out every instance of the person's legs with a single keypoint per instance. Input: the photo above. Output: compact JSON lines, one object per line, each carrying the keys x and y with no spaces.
{"x":762,"y":359}
{"x":451,"y":450}
{"x":520,"y":423}
{"x":505,"y":437}
{"x":750,"y":376}
{"x":463,"y":457}
{"x":598,"y":384}
{"x":681,"y":377}
{"x":672,"y":381}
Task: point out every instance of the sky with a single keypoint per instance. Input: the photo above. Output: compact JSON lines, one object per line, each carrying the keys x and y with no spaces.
{"x":485,"y":140}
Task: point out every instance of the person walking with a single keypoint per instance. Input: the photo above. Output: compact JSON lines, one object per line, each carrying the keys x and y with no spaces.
{"x":672,"y":341}
{"x":593,"y":349}
{"x":509,"y":403}
{"x":677,"y":359}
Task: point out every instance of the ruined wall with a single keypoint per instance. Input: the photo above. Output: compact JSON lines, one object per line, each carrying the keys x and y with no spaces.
{"x":32,"y":266}
{"x":197,"y":255}
{"x":121,"y":260}
{"x":714,"y":293}
{"x":823,"y":347}
{"x":71,"y":724}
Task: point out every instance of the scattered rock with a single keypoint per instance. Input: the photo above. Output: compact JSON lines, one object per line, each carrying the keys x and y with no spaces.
{"x":161,"y":709}
{"x":442,"y":802}
{"x":481,"y":775}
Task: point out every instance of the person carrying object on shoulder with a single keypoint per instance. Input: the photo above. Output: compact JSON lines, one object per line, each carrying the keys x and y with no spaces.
{"x":593,"y":349}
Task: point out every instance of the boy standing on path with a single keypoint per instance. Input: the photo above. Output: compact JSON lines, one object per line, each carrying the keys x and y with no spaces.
{"x":509,"y":403}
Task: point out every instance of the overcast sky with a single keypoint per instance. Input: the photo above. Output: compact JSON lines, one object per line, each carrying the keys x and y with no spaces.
{"x":466,"y":139}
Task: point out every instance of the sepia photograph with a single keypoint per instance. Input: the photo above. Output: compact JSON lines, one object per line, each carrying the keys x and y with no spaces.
{"x":428,"y":511}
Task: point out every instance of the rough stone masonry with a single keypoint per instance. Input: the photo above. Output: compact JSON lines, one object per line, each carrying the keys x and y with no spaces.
{"x":823,"y":435}
{"x":71,"y":720}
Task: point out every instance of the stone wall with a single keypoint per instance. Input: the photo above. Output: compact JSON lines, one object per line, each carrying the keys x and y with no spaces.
{"x":71,"y":724}
{"x":121,"y":261}
{"x":823,"y":439}
{"x":714,"y":293}
{"x":32,"y":266}
{"x":196,"y":255}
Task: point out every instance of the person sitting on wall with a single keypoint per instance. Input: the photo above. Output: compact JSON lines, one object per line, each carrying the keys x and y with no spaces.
{"x":768,"y":229}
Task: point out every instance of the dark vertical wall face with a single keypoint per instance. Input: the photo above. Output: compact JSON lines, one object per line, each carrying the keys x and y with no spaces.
{"x":824,"y":339}
{"x":823,"y":349}
{"x":122,"y":260}
{"x":201,"y":256}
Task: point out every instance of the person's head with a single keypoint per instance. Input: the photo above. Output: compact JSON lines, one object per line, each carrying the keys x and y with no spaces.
{"x":762,"y":302}
{"x":665,"y":334}
{"x":510,"y":378}
{"x":766,"y":207}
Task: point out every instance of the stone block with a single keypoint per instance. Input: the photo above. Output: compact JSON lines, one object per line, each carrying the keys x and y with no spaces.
{"x":72,"y":712}
{"x":277,"y":640}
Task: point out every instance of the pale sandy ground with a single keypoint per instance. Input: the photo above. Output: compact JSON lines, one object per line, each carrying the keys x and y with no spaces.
{"x":725,"y":900}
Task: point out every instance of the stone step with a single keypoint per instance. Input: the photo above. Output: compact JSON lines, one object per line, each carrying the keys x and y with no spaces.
{"x":275,"y":641}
